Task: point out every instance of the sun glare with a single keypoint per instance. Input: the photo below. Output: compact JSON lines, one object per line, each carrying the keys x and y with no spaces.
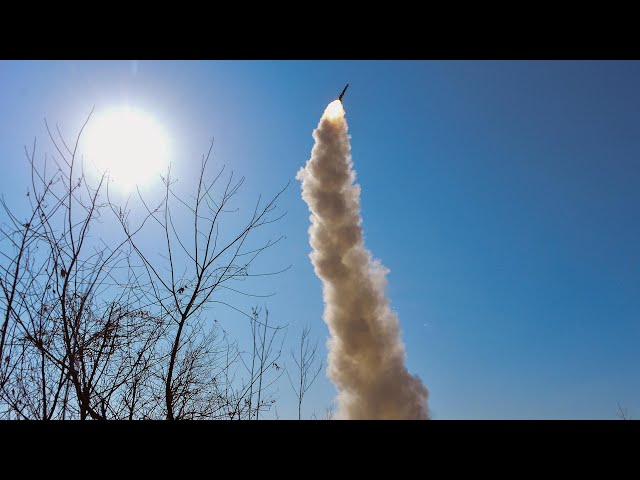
{"x":127,"y":144}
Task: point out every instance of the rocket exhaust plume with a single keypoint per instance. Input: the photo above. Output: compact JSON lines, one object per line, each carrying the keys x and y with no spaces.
{"x":366,"y":355}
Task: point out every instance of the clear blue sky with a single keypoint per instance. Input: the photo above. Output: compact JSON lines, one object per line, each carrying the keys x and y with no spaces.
{"x":504,"y":197}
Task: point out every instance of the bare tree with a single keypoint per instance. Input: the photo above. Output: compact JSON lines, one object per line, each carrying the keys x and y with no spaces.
{"x":622,"y":413}
{"x":257,"y":393}
{"x":307,"y":367}
{"x":93,"y":327}
{"x":67,"y":349}
{"x":328,"y":413}
{"x":209,"y":263}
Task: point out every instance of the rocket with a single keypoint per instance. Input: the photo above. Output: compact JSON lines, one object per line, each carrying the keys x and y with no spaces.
{"x":342,"y":94}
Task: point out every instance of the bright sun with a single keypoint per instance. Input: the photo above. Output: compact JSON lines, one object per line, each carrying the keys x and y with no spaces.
{"x":127,"y":144}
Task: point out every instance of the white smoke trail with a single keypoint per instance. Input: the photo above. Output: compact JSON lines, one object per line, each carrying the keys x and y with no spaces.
{"x":366,"y":355}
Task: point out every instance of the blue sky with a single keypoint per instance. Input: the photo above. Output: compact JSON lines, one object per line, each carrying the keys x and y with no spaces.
{"x":502,"y":195}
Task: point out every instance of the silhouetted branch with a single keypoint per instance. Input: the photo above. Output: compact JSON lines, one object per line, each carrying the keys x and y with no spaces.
{"x":307,"y":367}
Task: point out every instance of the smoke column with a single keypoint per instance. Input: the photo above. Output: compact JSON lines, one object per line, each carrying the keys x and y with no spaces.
{"x":366,"y":355}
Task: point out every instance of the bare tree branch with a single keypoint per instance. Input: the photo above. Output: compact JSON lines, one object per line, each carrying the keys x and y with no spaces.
{"x":307,"y":367}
